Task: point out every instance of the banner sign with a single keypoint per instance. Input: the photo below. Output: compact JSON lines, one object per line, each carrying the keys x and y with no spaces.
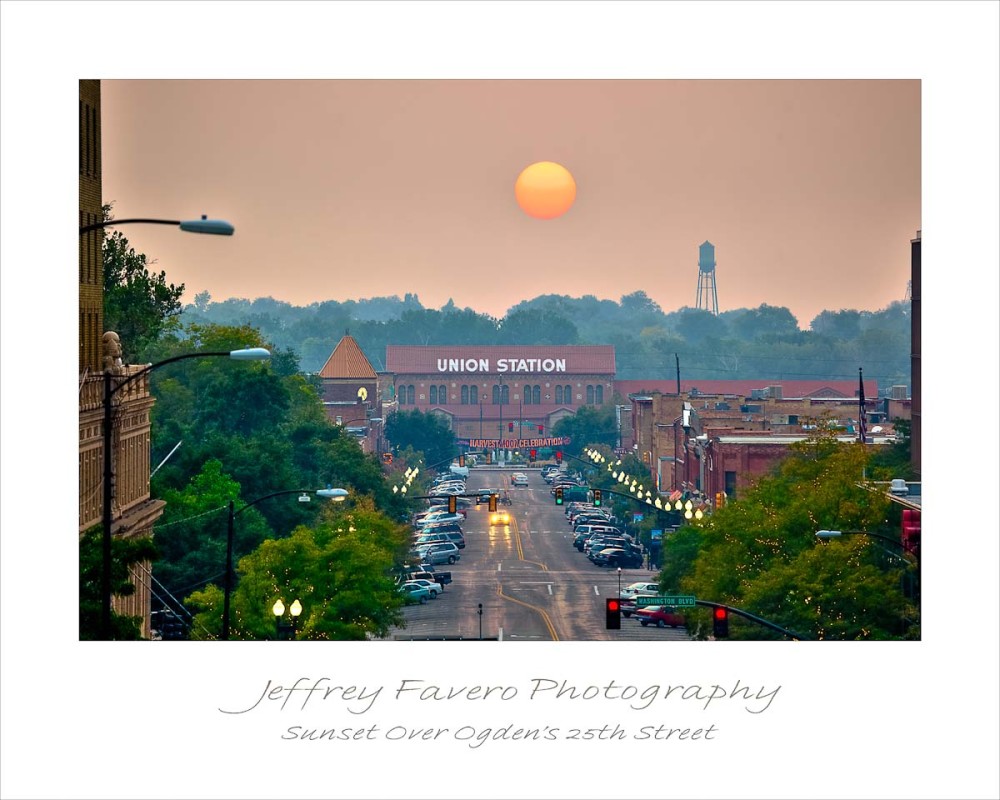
{"x":514,"y":444}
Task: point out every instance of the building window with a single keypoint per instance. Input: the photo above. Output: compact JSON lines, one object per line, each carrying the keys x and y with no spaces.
{"x":599,"y":395}
{"x":568,"y":394}
{"x":730,"y":485}
{"x":536,"y":395}
{"x":559,"y":394}
{"x":496,"y":395}
{"x":527,"y":395}
{"x":434,"y":394}
{"x":442,"y":394}
{"x":474,"y":395}
{"x":465,"y":395}
{"x":590,"y":395}
{"x":505,"y":395}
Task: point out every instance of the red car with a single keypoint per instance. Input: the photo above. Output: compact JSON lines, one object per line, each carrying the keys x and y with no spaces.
{"x":660,"y":616}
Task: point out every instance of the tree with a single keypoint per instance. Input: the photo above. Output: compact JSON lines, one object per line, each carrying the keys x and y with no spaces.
{"x":761,"y":553}
{"x":139,"y":305}
{"x":589,"y":425}
{"x":425,"y":432}
{"x":340,"y":571}
{"x":125,"y":554}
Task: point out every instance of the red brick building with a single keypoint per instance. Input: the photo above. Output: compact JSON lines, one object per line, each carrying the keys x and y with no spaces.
{"x":490,"y":392}
{"x":350,"y":393}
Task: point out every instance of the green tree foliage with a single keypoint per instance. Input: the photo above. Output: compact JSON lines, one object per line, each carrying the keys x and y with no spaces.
{"x":590,"y":425}
{"x":423,"y":431}
{"x":339,"y":569}
{"x":761,"y":553}
{"x":139,"y":305}
{"x":125,"y":554}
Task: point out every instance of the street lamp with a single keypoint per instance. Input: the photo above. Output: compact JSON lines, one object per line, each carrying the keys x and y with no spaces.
{"x":882,"y":537}
{"x":247,"y":354}
{"x":336,"y":495}
{"x":218,"y":227}
{"x":278,"y":609}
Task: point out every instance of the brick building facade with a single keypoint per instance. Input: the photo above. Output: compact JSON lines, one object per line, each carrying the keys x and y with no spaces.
{"x":490,"y":392}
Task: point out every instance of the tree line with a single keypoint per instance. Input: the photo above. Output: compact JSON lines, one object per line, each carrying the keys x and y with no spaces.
{"x":744,"y":343}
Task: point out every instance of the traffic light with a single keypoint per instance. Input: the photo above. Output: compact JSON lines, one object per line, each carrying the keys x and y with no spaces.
{"x":720,"y":622}
{"x":532,"y":454}
{"x":559,"y":495}
{"x":510,"y":427}
{"x":461,"y":459}
{"x":597,"y":498}
{"x":541,"y":429}
{"x":911,"y":529}
{"x":493,"y":502}
{"x":452,"y":504}
{"x":559,"y":456}
{"x":612,"y":614}
{"x":720,"y":499}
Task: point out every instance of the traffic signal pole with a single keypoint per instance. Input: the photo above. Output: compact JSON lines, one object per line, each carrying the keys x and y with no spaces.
{"x":754,"y":618}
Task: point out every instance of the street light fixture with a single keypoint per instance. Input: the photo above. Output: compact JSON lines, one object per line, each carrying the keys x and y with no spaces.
{"x":247,"y":354}
{"x":218,"y":227}
{"x":336,"y":495}
{"x":836,"y":534}
{"x":278,"y":609}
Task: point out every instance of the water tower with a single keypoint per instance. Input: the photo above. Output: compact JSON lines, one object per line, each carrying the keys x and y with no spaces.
{"x":708,"y":298}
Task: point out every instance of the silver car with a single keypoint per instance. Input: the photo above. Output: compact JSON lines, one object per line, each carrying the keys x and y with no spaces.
{"x":440,"y":553}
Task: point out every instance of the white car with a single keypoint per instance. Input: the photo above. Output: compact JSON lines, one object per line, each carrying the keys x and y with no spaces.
{"x":519,"y":479}
{"x":434,"y":588}
{"x":641,"y":590}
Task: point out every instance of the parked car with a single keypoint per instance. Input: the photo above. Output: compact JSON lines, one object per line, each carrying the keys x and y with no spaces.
{"x":429,"y":538}
{"x":616,"y":557}
{"x":440,"y":553}
{"x":456,"y":538}
{"x":440,"y":578}
{"x":641,"y":589}
{"x":660,"y":616}
{"x":431,"y":586}
{"x":500,"y":517}
{"x":415,"y":593}
{"x":442,"y":528}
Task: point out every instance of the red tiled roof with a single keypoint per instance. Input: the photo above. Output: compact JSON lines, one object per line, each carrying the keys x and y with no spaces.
{"x":347,"y":361}
{"x":579,"y":359}
{"x":743,"y":388}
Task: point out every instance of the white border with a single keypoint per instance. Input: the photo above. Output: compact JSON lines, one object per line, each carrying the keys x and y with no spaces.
{"x":897,"y":720}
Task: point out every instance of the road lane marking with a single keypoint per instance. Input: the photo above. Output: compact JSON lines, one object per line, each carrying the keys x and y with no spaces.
{"x":540,"y":611}
{"x":597,"y":592}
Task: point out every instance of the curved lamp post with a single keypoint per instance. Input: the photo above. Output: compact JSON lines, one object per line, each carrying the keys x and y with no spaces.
{"x":218,"y":227}
{"x":248,"y":354}
{"x":881,"y":537}
{"x":336,"y":495}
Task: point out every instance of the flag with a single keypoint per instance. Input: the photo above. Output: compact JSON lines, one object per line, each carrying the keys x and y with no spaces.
{"x":862,"y":416}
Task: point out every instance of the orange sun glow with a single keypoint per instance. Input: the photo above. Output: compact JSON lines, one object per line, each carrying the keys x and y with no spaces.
{"x":545,"y":190}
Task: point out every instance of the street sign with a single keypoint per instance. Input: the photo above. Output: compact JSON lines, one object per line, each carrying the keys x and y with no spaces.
{"x":656,"y":534}
{"x":677,"y":601}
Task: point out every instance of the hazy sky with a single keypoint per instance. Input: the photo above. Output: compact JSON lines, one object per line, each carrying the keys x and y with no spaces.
{"x":809,"y":190}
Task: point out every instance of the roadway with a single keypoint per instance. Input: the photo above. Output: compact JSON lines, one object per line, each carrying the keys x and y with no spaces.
{"x":533,"y":584}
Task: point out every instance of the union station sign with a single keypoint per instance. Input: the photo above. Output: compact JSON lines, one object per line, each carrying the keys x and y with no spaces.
{"x":521,"y":365}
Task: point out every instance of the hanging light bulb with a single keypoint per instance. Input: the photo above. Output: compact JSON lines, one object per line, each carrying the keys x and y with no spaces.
{"x":698,"y":514}
{"x":688,"y":514}
{"x":659,"y":503}
{"x":688,"y":506}
{"x":678,"y":506}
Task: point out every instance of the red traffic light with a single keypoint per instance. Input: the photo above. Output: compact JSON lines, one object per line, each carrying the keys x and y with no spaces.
{"x":541,"y":429}
{"x":532,"y":455}
{"x":720,"y":622}
{"x":558,"y":456}
{"x":510,"y":427}
{"x":612,"y":614}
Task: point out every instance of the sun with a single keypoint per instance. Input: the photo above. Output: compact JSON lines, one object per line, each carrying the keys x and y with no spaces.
{"x":545,"y":190}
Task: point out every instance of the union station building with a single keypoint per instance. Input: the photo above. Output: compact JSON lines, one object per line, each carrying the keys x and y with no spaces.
{"x":505,"y":392}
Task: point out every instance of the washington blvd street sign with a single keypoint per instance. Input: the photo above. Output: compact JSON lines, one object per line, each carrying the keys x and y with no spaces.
{"x":676,"y":600}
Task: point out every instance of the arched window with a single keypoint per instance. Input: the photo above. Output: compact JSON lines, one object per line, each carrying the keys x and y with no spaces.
{"x":434,"y":394}
{"x":474,"y":395}
{"x":401,"y":395}
{"x":442,"y":394}
{"x":568,"y":394}
{"x":465,"y":395}
{"x":410,"y":395}
{"x":496,"y":395}
{"x":590,"y":395}
{"x":536,"y":395}
{"x":599,"y":394}
{"x":505,"y":394}
{"x":559,"y":394}
{"x":527,"y":395}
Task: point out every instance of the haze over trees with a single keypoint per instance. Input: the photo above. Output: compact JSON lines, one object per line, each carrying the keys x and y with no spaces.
{"x":764,"y":342}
